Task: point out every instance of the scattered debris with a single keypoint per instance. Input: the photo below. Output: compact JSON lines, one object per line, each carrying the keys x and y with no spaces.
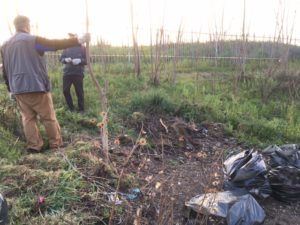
{"x":133,"y":195}
{"x":116,"y":197}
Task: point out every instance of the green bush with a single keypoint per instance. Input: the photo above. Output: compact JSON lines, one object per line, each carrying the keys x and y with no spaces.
{"x":152,"y":102}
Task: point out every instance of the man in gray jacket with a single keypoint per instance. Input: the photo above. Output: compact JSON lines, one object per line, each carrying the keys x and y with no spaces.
{"x":26,"y":76}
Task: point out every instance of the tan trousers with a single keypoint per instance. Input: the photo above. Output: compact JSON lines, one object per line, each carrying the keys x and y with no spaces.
{"x":39,"y":104}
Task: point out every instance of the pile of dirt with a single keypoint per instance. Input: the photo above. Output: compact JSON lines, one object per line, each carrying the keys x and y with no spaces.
{"x":186,"y":159}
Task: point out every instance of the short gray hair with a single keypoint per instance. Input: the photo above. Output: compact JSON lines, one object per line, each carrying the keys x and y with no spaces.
{"x":20,"y":22}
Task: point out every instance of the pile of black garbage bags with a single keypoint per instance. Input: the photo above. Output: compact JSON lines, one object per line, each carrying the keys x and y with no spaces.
{"x":284,"y":171}
{"x":250,"y":175}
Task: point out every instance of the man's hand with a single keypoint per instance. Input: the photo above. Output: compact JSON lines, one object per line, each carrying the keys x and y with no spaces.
{"x":68,"y":60}
{"x":84,"y":38}
{"x":76,"y":61}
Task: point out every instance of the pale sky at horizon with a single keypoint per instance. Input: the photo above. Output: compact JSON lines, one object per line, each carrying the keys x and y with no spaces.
{"x":111,"y":20}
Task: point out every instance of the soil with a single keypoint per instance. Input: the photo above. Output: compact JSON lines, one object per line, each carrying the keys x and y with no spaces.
{"x":184,"y":160}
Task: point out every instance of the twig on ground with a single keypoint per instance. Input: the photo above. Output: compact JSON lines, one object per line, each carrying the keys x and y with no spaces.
{"x":162,"y":123}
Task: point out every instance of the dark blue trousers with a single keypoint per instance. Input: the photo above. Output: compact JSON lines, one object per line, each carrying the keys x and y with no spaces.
{"x":77,"y":82}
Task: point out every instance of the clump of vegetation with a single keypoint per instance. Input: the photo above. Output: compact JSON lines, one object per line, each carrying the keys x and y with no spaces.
{"x":152,"y":102}
{"x":11,"y":146}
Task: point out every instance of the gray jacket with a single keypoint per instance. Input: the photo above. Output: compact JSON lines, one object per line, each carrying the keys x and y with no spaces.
{"x":25,"y":68}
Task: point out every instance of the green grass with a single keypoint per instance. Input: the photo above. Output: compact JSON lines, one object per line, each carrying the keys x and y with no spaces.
{"x":195,"y":98}
{"x":10,"y":146}
{"x":245,"y":115}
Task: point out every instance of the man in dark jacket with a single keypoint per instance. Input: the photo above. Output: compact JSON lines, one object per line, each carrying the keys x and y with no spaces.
{"x":74,"y":59}
{"x":26,"y":76}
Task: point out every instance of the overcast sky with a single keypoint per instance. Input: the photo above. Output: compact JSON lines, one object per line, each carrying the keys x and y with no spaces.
{"x":111,"y":19}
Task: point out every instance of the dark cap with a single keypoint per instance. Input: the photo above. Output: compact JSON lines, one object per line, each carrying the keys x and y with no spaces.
{"x":20,"y":22}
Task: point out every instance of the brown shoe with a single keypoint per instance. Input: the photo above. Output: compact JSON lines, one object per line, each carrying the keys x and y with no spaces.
{"x":33,"y":151}
{"x":64,"y":145}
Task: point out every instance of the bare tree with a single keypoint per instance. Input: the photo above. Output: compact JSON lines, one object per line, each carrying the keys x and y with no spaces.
{"x":244,"y":43}
{"x":157,"y":61}
{"x":177,"y":45}
{"x":101,"y":92}
{"x":279,"y":67}
{"x":137,"y":64}
{"x":240,"y":76}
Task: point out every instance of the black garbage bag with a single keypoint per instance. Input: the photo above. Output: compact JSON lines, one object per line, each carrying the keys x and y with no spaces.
{"x":259,"y":186}
{"x":285,"y":183}
{"x":3,"y":211}
{"x":284,"y":155}
{"x":234,"y":162}
{"x":246,"y":211}
{"x":247,"y":170}
{"x":225,"y":204}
